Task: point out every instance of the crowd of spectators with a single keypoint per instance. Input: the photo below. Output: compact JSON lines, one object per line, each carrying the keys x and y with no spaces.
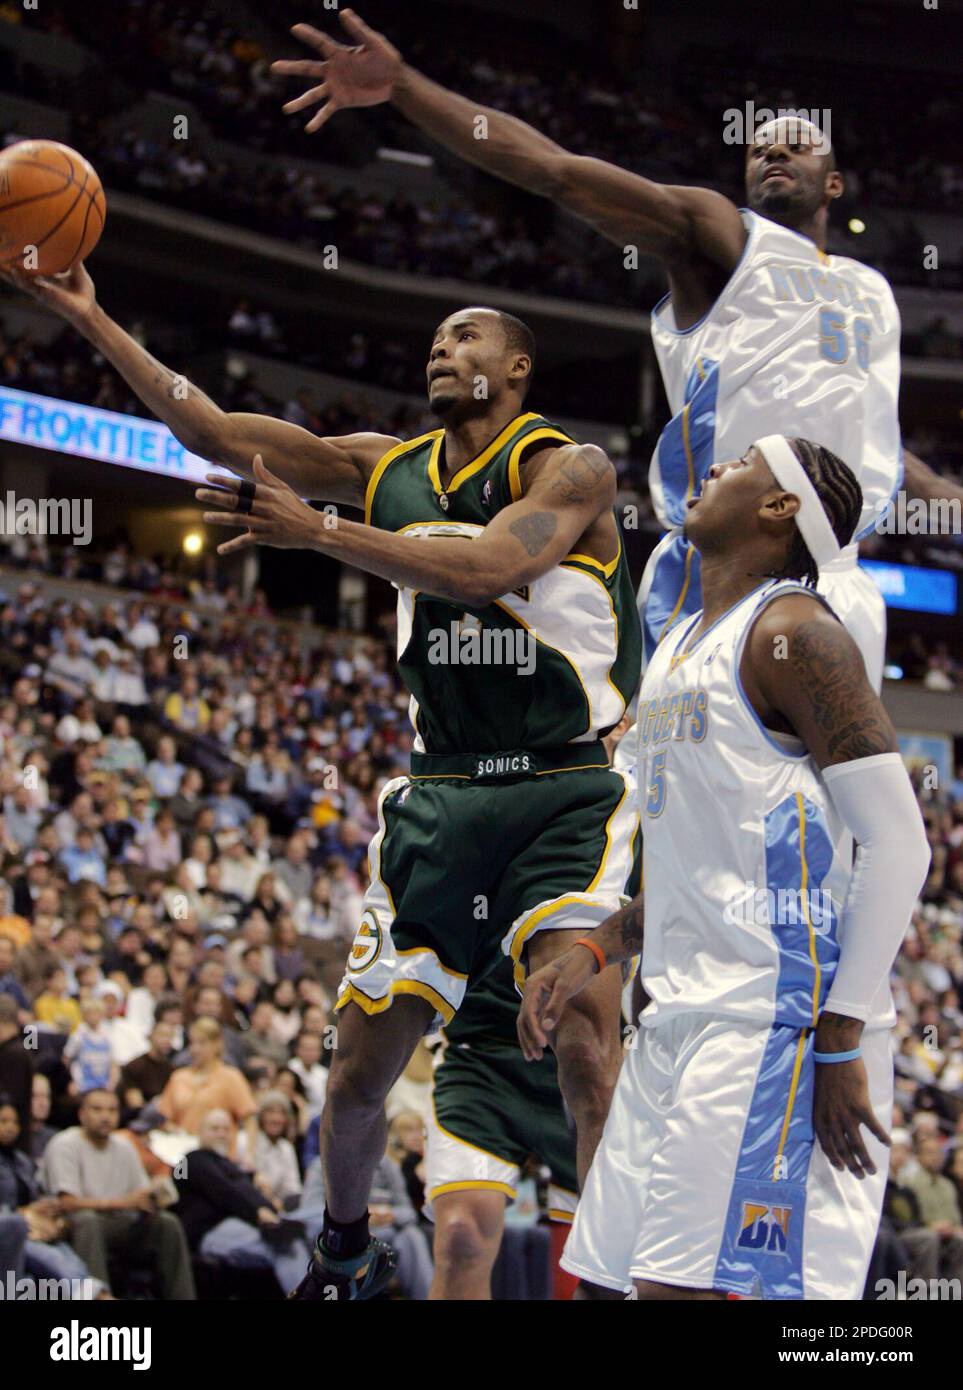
{"x":183,"y":848}
{"x":183,"y":857}
{"x":501,"y":239}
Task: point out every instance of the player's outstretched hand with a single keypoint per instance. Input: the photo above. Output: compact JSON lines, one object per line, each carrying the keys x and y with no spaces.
{"x":362,"y":75}
{"x":275,"y":515}
{"x":840,"y":1106}
{"x":545,"y":995}
{"x":71,"y":295}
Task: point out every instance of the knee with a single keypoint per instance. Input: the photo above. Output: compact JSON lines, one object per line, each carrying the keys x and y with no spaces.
{"x":459,"y":1240}
{"x":354,"y":1088}
{"x":13,"y":1228}
{"x":589,"y":1053}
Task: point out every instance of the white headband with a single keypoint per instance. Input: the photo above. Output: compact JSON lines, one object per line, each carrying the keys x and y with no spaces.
{"x":811,"y":518}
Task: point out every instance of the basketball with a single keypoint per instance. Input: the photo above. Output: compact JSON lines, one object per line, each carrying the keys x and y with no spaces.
{"x":52,"y":207}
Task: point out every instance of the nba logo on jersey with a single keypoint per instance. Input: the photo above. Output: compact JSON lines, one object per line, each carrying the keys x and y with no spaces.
{"x":764,"y":1228}
{"x":486,"y":496}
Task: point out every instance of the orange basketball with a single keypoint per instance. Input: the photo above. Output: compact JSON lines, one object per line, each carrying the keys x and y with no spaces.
{"x":50,"y":199}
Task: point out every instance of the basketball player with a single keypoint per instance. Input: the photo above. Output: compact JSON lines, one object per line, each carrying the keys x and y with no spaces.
{"x":761,"y":329}
{"x":491,"y":1111}
{"x":767,"y":949}
{"x":520,"y":641}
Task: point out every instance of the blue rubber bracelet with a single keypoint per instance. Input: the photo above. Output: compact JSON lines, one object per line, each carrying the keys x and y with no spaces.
{"x":838,"y":1056}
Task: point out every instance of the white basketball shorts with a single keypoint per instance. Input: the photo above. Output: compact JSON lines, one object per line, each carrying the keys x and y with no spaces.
{"x":708,"y":1175}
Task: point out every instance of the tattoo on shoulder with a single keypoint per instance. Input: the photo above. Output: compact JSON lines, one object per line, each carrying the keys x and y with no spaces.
{"x":535,"y":531}
{"x":844,"y":705}
{"x":579,"y":475}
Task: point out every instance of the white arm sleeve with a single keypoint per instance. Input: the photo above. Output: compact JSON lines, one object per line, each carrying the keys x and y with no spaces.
{"x":875,"y":798}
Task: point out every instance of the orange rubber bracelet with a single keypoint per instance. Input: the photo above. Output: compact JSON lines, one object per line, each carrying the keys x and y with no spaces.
{"x":597,"y":951}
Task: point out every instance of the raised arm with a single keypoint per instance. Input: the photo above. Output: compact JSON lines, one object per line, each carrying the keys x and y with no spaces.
{"x":335,"y":469}
{"x":923,"y":481}
{"x":567,"y":489}
{"x":677,"y":224}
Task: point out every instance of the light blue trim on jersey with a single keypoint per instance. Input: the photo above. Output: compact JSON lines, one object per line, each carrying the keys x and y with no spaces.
{"x":761,"y":1251}
{"x":798,"y":854}
{"x":688,"y":442}
{"x":781,"y":586}
{"x":660,"y":600}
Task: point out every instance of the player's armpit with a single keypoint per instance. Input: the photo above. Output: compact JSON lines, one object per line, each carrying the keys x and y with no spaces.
{"x":333,"y":469}
{"x":664,"y":220}
{"x":808,"y":669}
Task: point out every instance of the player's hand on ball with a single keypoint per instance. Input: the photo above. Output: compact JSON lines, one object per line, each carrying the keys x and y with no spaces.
{"x":363,"y":75}
{"x":71,"y":295}
{"x":275,"y":515}
{"x":545,"y":995}
{"x":841,"y":1105}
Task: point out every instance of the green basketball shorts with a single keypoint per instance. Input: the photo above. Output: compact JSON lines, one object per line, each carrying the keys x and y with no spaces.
{"x":467,"y":863}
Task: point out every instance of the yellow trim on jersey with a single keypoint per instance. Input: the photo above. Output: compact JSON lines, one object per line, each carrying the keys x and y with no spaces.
{"x":564,"y":1217}
{"x":608,"y":842}
{"x":497,"y":603}
{"x":579,"y":767}
{"x":426,"y":950}
{"x":437,"y":776}
{"x":456,"y":1139}
{"x":468,"y":470}
{"x":615,"y":616}
{"x":521,"y":936}
{"x":473,"y":1185}
{"x":803,"y":893}
{"x":700,"y":369}
{"x":376,"y":875}
{"x":687,"y":444}
{"x":793,"y":1085}
{"x":378,"y":1006}
{"x":515,"y":457}
{"x":382,"y":464}
{"x":608,"y":570}
{"x":413,"y":526}
{"x":681,"y":599}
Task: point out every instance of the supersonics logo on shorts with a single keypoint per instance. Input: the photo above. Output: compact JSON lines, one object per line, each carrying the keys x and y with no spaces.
{"x":366,"y":947}
{"x":764,"y":1228}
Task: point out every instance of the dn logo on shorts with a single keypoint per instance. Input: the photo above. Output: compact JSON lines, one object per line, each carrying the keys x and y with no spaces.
{"x":366,"y":947}
{"x":764,"y":1228}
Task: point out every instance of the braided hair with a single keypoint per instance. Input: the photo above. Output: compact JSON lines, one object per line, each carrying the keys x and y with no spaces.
{"x":842,"y":497}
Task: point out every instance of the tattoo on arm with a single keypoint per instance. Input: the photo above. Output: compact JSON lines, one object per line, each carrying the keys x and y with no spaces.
{"x":841,"y":700}
{"x":580,"y":475}
{"x":535,"y":531}
{"x":620,"y":937}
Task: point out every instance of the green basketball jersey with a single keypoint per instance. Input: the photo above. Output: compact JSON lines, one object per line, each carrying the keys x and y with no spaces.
{"x":554,"y":662}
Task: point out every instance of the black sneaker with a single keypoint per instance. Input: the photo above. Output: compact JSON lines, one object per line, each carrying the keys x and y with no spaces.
{"x":363,"y":1276}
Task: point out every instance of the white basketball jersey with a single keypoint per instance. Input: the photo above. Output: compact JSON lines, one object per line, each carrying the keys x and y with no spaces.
{"x":746,"y":862}
{"x":798,"y":343}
